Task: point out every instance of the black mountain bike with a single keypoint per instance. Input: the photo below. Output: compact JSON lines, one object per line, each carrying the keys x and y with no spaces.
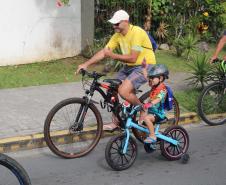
{"x":11,"y":172}
{"x":212,"y":100}
{"x":73,"y":127}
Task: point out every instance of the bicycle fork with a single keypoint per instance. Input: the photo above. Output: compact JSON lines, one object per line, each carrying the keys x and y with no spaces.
{"x":78,"y":124}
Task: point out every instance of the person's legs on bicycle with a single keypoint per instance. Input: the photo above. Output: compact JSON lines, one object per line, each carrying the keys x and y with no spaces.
{"x":150,"y":119}
{"x":132,"y":78}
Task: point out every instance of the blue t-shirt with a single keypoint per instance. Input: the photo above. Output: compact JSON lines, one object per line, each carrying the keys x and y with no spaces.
{"x":224,"y":32}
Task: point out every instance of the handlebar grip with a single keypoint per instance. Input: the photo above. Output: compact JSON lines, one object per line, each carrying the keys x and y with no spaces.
{"x":216,"y":60}
{"x":82,"y":71}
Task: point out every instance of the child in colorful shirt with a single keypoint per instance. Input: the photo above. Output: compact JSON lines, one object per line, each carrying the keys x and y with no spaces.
{"x":155,"y":109}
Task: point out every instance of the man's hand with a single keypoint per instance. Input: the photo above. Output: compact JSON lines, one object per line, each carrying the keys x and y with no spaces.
{"x":81,"y":66}
{"x":213,"y":58}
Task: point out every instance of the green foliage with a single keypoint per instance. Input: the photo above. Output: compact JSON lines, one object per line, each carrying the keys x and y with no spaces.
{"x":184,"y":16}
{"x":159,"y":7}
{"x":178,"y":44}
{"x":104,"y":10}
{"x":199,"y":70}
{"x":217,"y":72}
{"x":185,"y":44}
{"x":189,"y":44}
{"x":97,"y":45}
{"x":65,"y":2}
{"x":188,"y":99}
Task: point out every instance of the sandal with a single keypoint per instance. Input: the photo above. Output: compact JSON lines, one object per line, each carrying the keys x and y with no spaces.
{"x":150,"y":140}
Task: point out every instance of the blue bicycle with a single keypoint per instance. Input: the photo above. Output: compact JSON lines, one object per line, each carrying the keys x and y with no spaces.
{"x":121,"y":150}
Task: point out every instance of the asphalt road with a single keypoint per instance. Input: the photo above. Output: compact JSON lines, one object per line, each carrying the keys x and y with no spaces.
{"x":207,"y":165}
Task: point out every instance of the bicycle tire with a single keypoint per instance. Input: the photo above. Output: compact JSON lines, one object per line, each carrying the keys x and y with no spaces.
{"x":173,"y":115}
{"x":123,"y":161}
{"x":170,"y":151}
{"x":12,"y":165}
{"x":62,"y":138}
{"x":212,"y":104}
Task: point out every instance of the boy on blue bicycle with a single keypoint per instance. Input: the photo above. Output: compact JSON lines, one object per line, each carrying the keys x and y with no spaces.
{"x":155,"y":108}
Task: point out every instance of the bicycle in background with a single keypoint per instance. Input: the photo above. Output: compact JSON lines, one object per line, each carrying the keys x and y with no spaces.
{"x":11,"y":172}
{"x":212,"y":100}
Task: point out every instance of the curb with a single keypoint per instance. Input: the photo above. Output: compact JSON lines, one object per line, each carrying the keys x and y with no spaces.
{"x":33,"y":141}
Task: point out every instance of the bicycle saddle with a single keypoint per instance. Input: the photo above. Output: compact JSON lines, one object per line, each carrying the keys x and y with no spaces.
{"x":113,"y":82}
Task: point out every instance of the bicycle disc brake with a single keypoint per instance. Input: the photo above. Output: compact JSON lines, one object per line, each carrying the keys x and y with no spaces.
{"x":75,"y":128}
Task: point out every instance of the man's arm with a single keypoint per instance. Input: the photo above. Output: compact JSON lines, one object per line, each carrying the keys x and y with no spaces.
{"x":129,"y":58}
{"x":96,"y":58}
{"x":220,"y":45}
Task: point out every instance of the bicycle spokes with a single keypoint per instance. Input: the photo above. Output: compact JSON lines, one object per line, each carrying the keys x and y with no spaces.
{"x":171,"y":151}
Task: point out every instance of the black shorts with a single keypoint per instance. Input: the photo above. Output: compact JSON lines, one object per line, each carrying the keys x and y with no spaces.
{"x":158,"y":119}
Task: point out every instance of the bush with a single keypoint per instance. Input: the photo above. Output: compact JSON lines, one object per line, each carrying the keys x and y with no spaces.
{"x":200,"y":70}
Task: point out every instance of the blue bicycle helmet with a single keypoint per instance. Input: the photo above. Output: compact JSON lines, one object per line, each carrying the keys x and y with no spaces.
{"x":158,"y":70}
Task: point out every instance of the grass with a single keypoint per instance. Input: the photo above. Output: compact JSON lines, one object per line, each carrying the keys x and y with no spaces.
{"x":174,"y":63}
{"x":58,"y":71}
{"x":61,"y":71}
{"x":188,"y":99}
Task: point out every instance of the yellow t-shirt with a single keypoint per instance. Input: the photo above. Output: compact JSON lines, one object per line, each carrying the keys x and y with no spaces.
{"x":136,"y":39}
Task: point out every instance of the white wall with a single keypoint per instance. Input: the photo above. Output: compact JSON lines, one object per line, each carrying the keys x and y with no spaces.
{"x":38,"y":30}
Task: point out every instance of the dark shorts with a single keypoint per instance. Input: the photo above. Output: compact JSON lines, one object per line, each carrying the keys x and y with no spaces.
{"x":225,"y":32}
{"x":134,"y":74}
{"x":157,"y":118}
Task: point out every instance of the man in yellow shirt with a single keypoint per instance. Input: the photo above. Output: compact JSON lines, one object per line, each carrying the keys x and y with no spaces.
{"x":135,"y":46}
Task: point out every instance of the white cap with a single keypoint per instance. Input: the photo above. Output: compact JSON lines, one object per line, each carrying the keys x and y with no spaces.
{"x":120,"y":15}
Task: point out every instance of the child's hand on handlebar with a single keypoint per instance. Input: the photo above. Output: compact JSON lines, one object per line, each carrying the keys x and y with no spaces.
{"x":147,"y":105}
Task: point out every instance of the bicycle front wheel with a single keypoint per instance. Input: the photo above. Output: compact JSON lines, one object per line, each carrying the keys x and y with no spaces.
{"x":73,"y":128}
{"x":172,"y":115}
{"x":114,"y":152}
{"x":11,"y":172}
{"x":212,"y":104}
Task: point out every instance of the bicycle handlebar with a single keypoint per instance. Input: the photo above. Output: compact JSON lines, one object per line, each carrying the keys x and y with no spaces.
{"x":218,"y":60}
{"x":223,"y":63}
{"x":135,"y":109}
{"x":93,"y":74}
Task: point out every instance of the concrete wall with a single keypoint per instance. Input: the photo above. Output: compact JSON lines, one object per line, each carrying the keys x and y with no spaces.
{"x":87,"y":22}
{"x":38,"y":30}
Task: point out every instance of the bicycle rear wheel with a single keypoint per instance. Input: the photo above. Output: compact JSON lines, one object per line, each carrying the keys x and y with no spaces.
{"x":11,"y":172}
{"x":173,"y":116}
{"x":170,"y":151}
{"x":70,"y":131}
{"x":212,"y":104}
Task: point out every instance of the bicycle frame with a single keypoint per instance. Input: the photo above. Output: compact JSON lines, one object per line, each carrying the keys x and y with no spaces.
{"x":111,"y":104}
{"x":131,"y":124}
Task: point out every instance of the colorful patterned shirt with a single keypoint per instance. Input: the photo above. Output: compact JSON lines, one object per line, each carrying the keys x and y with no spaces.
{"x":158,"y":92}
